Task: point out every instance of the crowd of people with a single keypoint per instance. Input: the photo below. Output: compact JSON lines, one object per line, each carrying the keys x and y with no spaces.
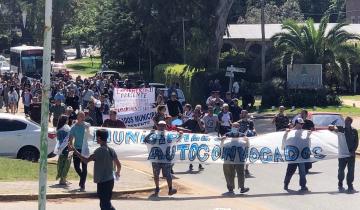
{"x":76,"y":104}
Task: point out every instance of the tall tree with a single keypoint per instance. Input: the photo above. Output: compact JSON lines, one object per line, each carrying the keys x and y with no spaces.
{"x":307,"y":44}
{"x":82,"y":26}
{"x":314,"y":9}
{"x":217,"y":31}
{"x":274,"y":13}
{"x":63,"y":11}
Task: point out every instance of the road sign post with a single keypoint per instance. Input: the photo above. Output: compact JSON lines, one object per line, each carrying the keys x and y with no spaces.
{"x":230,"y":73}
{"x":45,"y":106}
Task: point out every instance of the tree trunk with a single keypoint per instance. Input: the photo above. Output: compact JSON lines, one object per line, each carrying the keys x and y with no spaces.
{"x":78,"y":49}
{"x":58,"y":28}
{"x":216,"y":40}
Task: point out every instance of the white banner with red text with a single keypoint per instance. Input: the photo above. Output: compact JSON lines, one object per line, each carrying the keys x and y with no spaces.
{"x":134,"y":100}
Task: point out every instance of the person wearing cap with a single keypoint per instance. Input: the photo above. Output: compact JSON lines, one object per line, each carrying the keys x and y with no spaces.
{"x":113,"y":122}
{"x":60,"y":96}
{"x":225,"y":119}
{"x":174,"y":106}
{"x":230,"y":169}
{"x":105,"y":158}
{"x":156,"y":138}
{"x":94,"y":106}
{"x":352,"y":142}
{"x":56,"y":110}
{"x":280,"y":120}
{"x":299,"y":122}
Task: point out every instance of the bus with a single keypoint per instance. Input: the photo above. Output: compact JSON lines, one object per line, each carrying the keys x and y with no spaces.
{"x":27,"y":61}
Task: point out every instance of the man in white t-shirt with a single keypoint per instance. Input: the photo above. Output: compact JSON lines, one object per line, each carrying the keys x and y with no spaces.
{"x":210,"y":121}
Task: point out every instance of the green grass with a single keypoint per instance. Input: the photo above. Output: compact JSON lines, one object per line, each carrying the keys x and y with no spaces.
{"x":344,"y":110}
{"x":21,"y":170}
{"x":85,"y":66}
{"x":354,"y":97}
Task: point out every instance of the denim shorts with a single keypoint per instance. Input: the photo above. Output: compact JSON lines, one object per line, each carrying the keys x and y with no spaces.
{"x":165,"y":167}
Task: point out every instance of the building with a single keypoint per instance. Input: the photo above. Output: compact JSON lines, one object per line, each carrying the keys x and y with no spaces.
{"x":247,"y":37}
{"x":353,"y":11}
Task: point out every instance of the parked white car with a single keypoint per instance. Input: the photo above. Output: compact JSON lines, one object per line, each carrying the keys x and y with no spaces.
{"x":20,"y":137}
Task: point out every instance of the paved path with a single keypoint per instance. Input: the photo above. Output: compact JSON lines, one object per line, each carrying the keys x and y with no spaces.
{"x":130,"y":179}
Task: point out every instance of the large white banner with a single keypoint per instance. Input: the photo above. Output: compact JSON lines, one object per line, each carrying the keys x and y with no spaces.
{"x":280,"y":147}
{"x":134,"y":100}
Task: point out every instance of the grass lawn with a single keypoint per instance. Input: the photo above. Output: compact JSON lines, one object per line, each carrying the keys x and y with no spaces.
{"x":85,"y":66}
{"x":21,"y":170}
{"x":344,"y":110}
{"x":354,"y":97}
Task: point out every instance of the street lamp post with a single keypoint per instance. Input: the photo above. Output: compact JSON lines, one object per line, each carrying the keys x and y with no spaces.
{"x":184,"y":44}
{"x":183,"y":20}
{"x":263,"y":42}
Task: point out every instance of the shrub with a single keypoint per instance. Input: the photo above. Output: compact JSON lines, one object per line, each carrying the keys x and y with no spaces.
{"x":183,"y":74}
{"x":194,"y":82}
{"x":275,"y":94}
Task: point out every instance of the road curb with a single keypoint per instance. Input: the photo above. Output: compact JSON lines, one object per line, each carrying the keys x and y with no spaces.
{"x":27,"y":197}
{"x":19,"y":197}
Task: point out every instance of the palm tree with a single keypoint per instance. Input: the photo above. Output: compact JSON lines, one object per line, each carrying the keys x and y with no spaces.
{"x":307,"y":44}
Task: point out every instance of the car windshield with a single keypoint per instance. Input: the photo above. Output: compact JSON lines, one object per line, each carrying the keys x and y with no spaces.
{"x":323,"y":120}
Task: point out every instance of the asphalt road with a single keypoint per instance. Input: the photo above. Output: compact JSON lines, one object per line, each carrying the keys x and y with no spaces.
{"x":266,"y":184}
{"x":203,"y":190}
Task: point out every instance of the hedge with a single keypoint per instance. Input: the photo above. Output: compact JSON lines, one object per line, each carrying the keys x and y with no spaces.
{"x":194,"y":82}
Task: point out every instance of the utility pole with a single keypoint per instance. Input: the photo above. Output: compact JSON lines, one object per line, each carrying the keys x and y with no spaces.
{"x":263,"y":42}
{"x":182,"y":20}
{"x":184,"y":44}
{"x":45,"y":106}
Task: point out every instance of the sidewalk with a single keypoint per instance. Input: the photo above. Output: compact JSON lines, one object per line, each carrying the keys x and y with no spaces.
{"x":131,"y":181}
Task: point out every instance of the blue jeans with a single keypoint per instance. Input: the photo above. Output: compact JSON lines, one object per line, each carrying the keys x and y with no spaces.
{"x":291,"y":169}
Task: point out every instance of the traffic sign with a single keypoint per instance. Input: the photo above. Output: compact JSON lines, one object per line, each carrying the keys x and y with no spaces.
{"x":235,"y":69}
{"x":229,"y":74}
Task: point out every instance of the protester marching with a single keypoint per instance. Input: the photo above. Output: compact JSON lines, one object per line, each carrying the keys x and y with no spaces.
{"x":100,"y":111}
